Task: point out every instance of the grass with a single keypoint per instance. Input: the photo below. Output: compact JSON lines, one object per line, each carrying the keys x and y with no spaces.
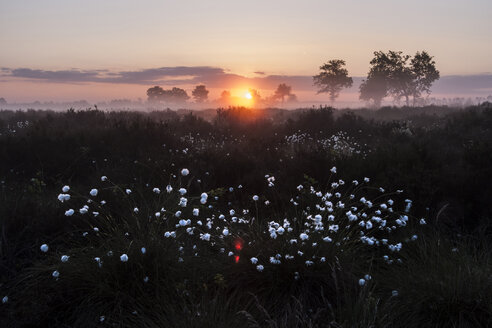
{"x":441,"y":279}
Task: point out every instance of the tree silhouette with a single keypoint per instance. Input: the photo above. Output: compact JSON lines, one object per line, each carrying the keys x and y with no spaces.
{"x":374,"y":88}
{"x":398,"y":75}
{"x":255,"y":95}
{"x":155,"y":94}
{"x":333,"y":78}
{"x":283,"y":90}
{"x":225,"y":94}
{"x":175,"y":95}
{"x":225,"y":97}
{"x":424,"y":74}
{"x":200,"y":93}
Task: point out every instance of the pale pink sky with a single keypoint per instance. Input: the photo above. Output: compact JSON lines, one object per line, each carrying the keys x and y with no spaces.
{"x":100,"y":50}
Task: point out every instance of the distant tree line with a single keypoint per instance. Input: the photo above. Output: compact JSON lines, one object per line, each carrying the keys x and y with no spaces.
{"x":174,"y":95}
{"x":157,"y":94}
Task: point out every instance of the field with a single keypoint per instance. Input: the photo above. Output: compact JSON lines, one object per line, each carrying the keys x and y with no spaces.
{"x":246,"y":218}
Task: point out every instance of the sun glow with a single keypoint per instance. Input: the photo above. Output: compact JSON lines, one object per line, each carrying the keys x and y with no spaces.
{"x":241,"y":97}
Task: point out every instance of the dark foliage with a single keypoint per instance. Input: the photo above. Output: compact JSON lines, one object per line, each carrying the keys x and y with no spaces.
{"x":441,"y":158}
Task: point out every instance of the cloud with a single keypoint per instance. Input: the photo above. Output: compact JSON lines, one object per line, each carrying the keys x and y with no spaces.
{"x":216,"y":77}
{"x":164,"y":75}
{"x":464,"y":84}
{"x":53,"y":76}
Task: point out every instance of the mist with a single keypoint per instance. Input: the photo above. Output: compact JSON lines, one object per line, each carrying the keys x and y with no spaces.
{"x":452,"y":90}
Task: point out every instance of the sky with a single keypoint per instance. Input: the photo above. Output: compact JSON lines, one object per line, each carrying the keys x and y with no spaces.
{"x":97,"y":50}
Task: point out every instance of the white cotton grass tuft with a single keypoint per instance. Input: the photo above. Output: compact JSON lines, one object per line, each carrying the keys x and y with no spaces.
{"x":124,"y":258}
{"x":203,"y":198}
{"x":205,"y":236}
{"x":69,"y":212}
{"x":55,"y":274}
{"x":94,"y":192}
{"x":44,"y":248}
{"x":5,"y":299}
{"x":184,"y":223}
{"x":255,"y":198}
{"x":64,"y":258}
{"x":260,"y":267}
{"x":185,"y":172}
{"x":183,"y":202}
{"x":63,"y":197}
{"x":169,"y":234}
{"x":65,"y":189}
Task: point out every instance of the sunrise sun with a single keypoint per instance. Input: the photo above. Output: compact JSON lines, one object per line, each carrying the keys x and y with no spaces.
{"x":248,"y":95}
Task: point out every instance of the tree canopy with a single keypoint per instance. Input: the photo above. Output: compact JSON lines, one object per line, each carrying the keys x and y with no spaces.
{"x":333,"y":78}
{"x":174,"y":95}
{"x":398,"y":75}
{"x":200,"y":93}
{"x":283,"y":90}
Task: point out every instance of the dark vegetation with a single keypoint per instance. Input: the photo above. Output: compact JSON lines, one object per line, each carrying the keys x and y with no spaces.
{"x":440,"y":157}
